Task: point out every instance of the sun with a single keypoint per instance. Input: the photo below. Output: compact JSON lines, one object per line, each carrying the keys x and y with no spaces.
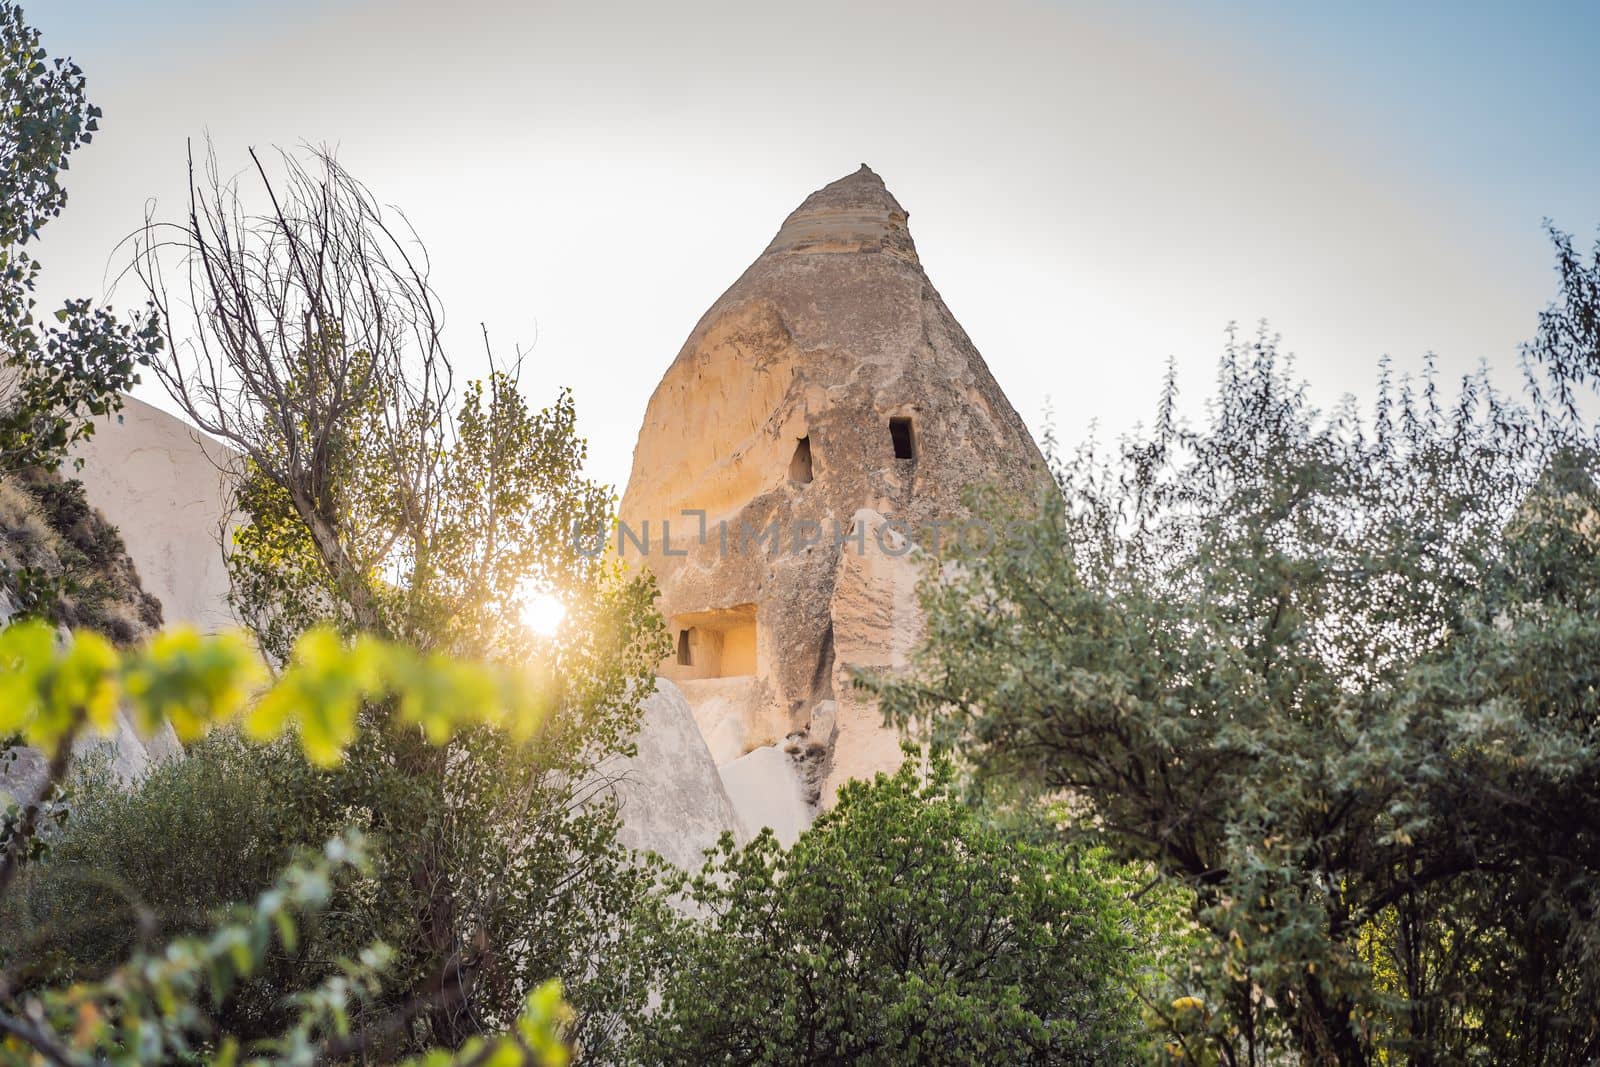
{"x":542,"y":612}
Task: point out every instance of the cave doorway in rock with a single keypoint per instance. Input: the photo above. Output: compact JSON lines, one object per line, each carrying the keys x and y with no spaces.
{"x":719,"y":643}
{"x":800,"y":463}
{"x":900,"y":432}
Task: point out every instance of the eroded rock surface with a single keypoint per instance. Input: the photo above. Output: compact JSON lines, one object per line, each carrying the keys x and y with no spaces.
{"x":829,"y":382}
{"x":877,"y":624}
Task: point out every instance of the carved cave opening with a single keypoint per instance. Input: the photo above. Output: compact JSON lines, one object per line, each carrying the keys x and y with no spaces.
{"x":719,"y":643}
{"x":900,"y":432}
{"x":800,"y":464}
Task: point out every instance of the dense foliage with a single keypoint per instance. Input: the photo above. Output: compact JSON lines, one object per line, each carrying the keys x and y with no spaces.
{"x":1340,"y":677}
{"x":157,"y":1006}
{"x":899,"y":929}
{"x":132,"y":868}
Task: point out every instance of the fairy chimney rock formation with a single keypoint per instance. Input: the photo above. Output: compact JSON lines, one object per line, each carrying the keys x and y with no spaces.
{"x":828,"y":392}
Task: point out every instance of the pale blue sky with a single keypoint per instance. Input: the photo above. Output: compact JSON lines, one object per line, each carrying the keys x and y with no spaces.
{"x":1499,"y":99}
{"x":1093,"y":187}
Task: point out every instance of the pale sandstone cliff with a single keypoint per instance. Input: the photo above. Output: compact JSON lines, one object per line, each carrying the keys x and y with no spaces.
{"x":163,"y":485}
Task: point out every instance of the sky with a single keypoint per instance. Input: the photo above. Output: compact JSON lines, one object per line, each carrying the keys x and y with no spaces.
{"x":1094,"y":188}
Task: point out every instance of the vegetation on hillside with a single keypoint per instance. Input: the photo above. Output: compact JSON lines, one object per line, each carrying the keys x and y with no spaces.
{"x":61,"y":560}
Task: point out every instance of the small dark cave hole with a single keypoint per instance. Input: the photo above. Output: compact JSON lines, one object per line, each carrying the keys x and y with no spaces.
{"x":900,"y":433}
{"x":684,"y":659}
{"x":800,"y":464}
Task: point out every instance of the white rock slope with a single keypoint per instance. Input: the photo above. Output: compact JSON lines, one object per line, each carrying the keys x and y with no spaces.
{"x":672,"y":800}
{"x":159,"y":481}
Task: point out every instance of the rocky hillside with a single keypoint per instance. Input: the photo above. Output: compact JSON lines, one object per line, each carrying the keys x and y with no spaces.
{"x":61,"y":559}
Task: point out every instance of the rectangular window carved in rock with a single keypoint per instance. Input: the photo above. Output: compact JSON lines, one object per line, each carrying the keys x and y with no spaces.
{"x":715,"y":643}
{"x":800,"y":465}
{"x":900,"y":434}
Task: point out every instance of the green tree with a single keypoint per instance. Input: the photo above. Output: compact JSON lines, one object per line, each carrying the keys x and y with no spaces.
{"x":131,"y":868}
{"x":54,"y":380}
{"x":520,"y":876}
{"x":379,"y":499}
{"x":1564,"y":356}
{"x":899,"y":929}
{"x":1338,"y":678}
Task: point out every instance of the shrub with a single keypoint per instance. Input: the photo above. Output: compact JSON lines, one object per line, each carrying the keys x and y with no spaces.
{"x":133,"y":865}
{"x":161,"y":1004}
{"x":899,"y":929}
